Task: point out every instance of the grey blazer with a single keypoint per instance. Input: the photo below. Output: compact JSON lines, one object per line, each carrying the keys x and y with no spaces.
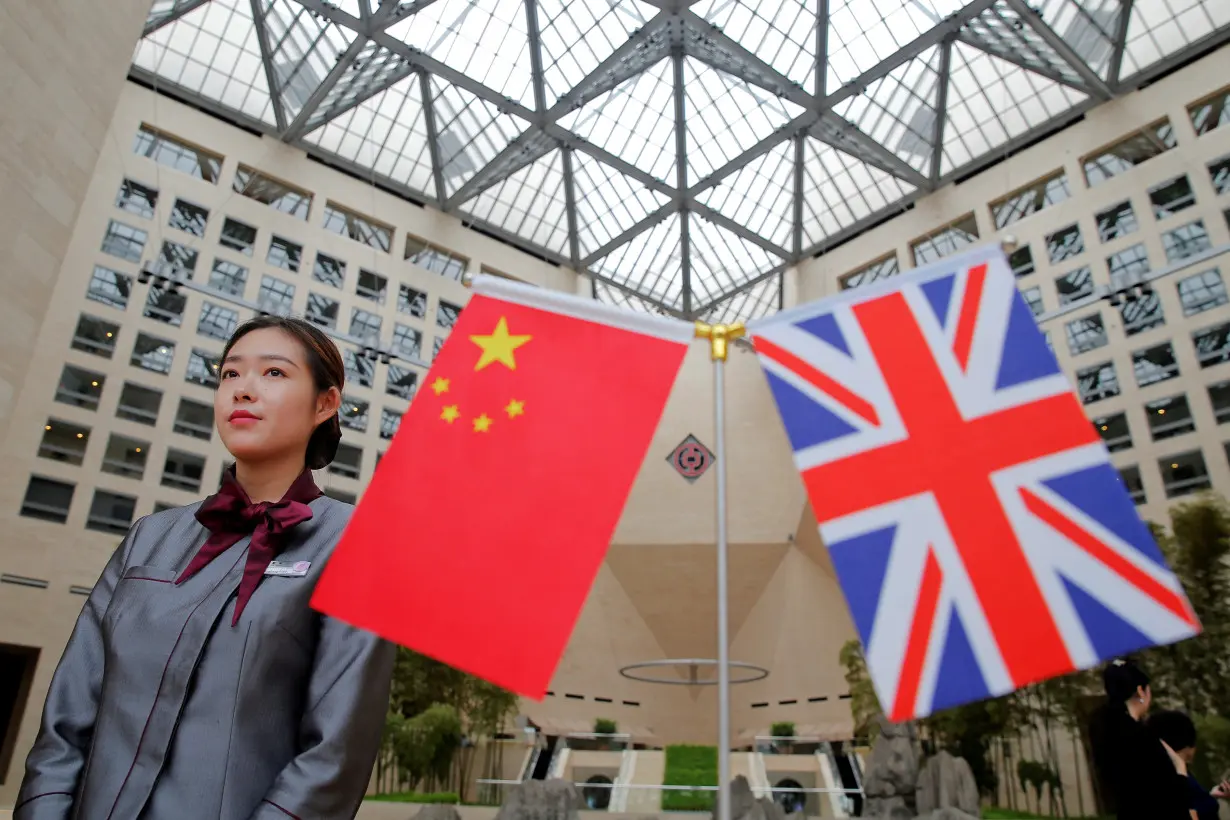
{"x":161,"y":710}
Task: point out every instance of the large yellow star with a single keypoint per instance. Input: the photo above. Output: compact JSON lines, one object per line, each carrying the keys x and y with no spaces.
{"x":515,"y":408}
{"x":450,"y":413}
{"x":499,"y":346}
{"x":482,"y":424}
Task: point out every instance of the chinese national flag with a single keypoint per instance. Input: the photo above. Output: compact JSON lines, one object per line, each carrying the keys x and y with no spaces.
{"x":478,"y":539}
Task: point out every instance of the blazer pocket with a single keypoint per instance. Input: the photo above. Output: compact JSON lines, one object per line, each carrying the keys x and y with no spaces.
{"x":162,"y":576}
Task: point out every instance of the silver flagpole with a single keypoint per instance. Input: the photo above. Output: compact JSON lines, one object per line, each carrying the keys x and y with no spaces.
{"x":719,"y":337}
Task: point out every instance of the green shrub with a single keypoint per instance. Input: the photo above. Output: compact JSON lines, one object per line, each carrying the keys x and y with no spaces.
{"x":605,"y":726}
{"x":689,"y":766}
{"x":415,"y":797}
{"x":783,"y":729}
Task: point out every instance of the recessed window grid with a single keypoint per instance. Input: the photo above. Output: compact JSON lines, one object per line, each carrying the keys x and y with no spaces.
{"x":137,"y":199}
{"x":189,"y":218}
{"x":1130,"y":476}
{"x":175,"y":153}
{"x":1064,"y":244}
{"x":434,"y":259}
{"x":238,"y":236}
{"x":348,"y":462}
{"x":1116,"y":221}
{"x":402,"y":382}
{"x":275,"y":296}
{"x":355,"y":413}
{"x":1212,"y":113}
{"x":195,"y":419}
{"x":1021,"y":261}
{"x":322,"y":310}
{"x":165,"y":304}
{"x":436,"y":344}
{"x":1171,"y":197}
{"x":1141,"y":314}
{"x":1219,"y":398}
{"x":183,"y":470}
{"x":390,"y":420}
{"x":359,"y":369}
{"x":124,"y":241}
{"x":217,"y":322}
{"x":47,"y":499}
{"x":1169,"y":417}
{"x":228,"y":277}
{"x":365,"y":325}
{"x":285,"y":254}
{"x":1033,"y":298}
{"x":140,"y":404}
{"x":446,"y":314}
{"x":1038,"y":196}
{"x":1114,"y":432}
{"x":110,"y":287}
{"x":64,"y":441}
{"x":203,"y":368}
{"x":111,"y":512}
{"x":1129,"y":262}
{"x":345,"y":222}
{"x":1219,"y":175}
{"x":1212,"y":344}
{"x":946,"y":241}
{"x":178,"y":258}
{"x":874,"y":272}
{"x":408,"y":341}
{"x":80,"y":387}
{"x":153,"y":353}
{"x":372,"y":286}
{"x":278,"y":195}
{"x":1186,"y":241}
{"x":329,"y":271}
{"x":1074,"y":285}
{"x":1154,"y":364}
{"x":1129,"y":152}
{"x":1097,"y":382}
{"x":1085,"y":334}
{"x":96,"y":336}
{"x":125,"y":456}
{"x":1184,"y":474}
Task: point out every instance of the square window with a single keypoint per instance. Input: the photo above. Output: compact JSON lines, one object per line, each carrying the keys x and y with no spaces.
{"x":1154,"y":364}
{"x":189,"y":218}
{"x":124,"y":241}
{"x":1131,"y":481}
{"x":1128,"y":263}
{"x":364,"y":325}
{"x":277,"y":195}
{"x":359,"y":368}
{"x":125,"y":456}
{"x":175,"y":153}
{"x":285,"y":254}
{"x":1065,"y":243}
{"x":1085,"y":334}
{"x":179,"y":258}
{"x":152,"y":353}
{"x":64,"y":441}
{"x":354,"y":413}
{"x":1169,"y":417}
{"x":1030,"y":200}
{"x":1129,"y":152}
{"x":136,"y":198}
{"x":1074,"y":285}
{"x":402,"y":382}
{"x":183,"y":470}
{"x":165,"y":304}
{"x":322,"y":310}
{"x":1202,"y":291}
{"x":1141,"y":314}
{"x":328,"y":270}
{"x":946,"y":241}
{"x":407,"y":341}
{"x":96,"y":336}
{"x":1184,"y":474}
{"x":874,"y":272}
{"x":390,"y":420}
{"x":1116,"y":221}
{"x":80,"y":387}
{"x":111,"y":512}
{"x":1021,"y":261}
{"x":372,"y":286}
{"x":228,"y":277}
{"x":202,"y":368}
{"x":1219,"y":174}
{"x":1212,"y":113}
{"x":1097,"y":382}
{"x":446,"y":314}
{"x":1219,"y":397}
{"x":1114,"y":432}
{"x":194,"y":419}
{"x":1171,"y":197}
{"x":436,"y":344}
{"x":110,"y":287}
{"x":139,"y":404}
{"x":1033,"y":298}
{"x":411,"y":301}
{"x":1186,"y":241}
{"x":434,"y":259}
{"x":238,"y":236}
{"x":47,"y":499}
{"x":217,"y":322}
{"x":276,"y":297}
{"x":348,"y":461}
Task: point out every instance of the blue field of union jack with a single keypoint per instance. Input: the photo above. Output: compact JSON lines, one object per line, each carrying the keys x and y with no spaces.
{"x":981,"y":536}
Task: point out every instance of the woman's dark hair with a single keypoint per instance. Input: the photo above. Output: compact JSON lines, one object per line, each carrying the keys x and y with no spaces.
{"x":328,"y":370}
{"x":1122,"y":678}
{"x":1176,"y":728}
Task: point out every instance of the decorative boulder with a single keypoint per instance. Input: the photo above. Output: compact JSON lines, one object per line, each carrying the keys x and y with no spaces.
{"x":891,"y":778}
{"x":744,"y":805}
{"x":947,"y":782}
{"x":542,"y":800}
{"x":438,"y":811}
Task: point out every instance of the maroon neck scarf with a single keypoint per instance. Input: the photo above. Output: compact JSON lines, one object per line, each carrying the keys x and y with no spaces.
{"x":229,"y":515}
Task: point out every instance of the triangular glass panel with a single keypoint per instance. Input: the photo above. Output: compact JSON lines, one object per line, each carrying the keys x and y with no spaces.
{"x":578,"y":35}
{"x":782,"y":33}
{"x":862,"y":33}
{"x":608,"y":202}
{"x":1156,"y":30}
{"x":722,"y":260}
{"x":485,"y":41}
{"x":651,"y":263}
{"x":760,"y":195}
{"x":725,"y":116}
{"x":373,"y":70}
{"x":635,"y":121}
{"x":529,"y":204}
{"x":839,"y":192}
{"x":162,"y":10}
{"x":898,"y":110}
{"x":304,"y":48}
{"x":608,"y":294}
{"x":753,"y":302}
{"x":1001,"y":31}
{"x":1022,"y":100}
{"x":387,"y":133}
{"x":212,"y":51}
{"x":1087,"y":26}
{"x":471,"y":132}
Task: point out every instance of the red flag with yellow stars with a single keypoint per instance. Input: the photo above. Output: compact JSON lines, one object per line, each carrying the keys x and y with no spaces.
{"x":481,"y":533}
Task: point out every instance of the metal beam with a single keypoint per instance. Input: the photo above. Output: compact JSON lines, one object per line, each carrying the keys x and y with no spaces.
{"x":741,"y":62}
{"x":631,"y":232}
{"x":298,"y":126}
{"x":271,"y":74}
{"x":626,"y":168}
{"x":1009,"y":55}
{"x":1095,"y":84}
{"x":617,"y":68}
{"x":570,"y":203}
{"x":941,"y":112}
{"x":741,"y":231}
{"x":681,"y":178}
{"x":535,"y":46}
{"x":433,"y":134}
{"x":177,"y":11}
{"x":398,"y":12}
{"x":822,"y":46}
{"x":1120,"y":45}
{"x":800,"y":142}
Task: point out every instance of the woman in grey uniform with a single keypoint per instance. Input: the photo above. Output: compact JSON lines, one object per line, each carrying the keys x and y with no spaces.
{"x":197,"y":682}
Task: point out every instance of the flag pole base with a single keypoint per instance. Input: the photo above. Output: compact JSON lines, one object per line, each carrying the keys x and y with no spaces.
{"x":639,"y":672}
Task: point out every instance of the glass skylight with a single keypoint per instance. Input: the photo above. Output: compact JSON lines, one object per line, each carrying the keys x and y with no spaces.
{"x":684,"y":155}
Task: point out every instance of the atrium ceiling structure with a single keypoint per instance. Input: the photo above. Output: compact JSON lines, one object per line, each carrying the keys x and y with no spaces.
{"x":682,"y":153}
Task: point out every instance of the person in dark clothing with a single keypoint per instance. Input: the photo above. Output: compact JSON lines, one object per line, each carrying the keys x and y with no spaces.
{"x":1140,"y":777}
{"x":1178,"y":732}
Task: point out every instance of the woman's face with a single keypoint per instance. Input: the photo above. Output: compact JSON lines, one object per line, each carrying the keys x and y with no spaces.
{"x":267,"y":404}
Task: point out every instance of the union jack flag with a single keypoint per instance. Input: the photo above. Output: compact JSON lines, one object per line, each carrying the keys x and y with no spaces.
{"x":979,"y":532}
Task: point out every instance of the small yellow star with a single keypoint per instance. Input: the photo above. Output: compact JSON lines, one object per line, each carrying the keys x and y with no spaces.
{"x":498,"y":346}
{"x":450,"y":414}
{"x":440,"y":385}
{"x":515,"y":408}
{"x":482,"y":424}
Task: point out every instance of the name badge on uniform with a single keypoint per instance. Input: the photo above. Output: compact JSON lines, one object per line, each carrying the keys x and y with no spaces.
{"x":286,"y":569}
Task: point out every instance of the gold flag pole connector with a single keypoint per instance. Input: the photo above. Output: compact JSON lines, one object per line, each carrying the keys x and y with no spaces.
{"x":720,"y":337}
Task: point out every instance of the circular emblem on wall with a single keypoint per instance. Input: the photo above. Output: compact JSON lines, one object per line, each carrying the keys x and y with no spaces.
{"x":690,"y":458}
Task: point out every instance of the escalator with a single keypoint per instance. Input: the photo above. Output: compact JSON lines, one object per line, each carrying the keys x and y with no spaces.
{"x":851,"y":777}
{"x":542,"y":765}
